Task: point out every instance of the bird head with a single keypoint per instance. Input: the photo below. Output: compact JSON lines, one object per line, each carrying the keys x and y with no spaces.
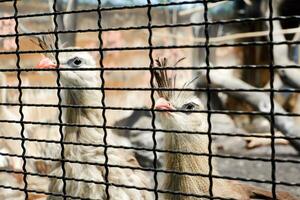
{"x":74,"y":64}
{"x":170,"y":103}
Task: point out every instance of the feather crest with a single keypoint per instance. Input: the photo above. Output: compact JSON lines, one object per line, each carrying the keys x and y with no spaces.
{"x":163,"y":80}
{"x":46,"y":42}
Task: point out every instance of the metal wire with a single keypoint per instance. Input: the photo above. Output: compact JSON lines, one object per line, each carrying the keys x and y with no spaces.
{"x":254,"y":90}
{"x":62,"y":152}
{"x":295,"y":184}
{"x":225,"y":156}
{"x":152,"y":99}
{"x":272,"y":118}
{"x":207,"y":62}
{"x":271,"y":113}
{"x":103,"y":99}
{"x":139,"y":48}
{"x":112,"y":8}
{"x":127,"y":68}
{"x":20,"y":102}
{"x":158,"y":26}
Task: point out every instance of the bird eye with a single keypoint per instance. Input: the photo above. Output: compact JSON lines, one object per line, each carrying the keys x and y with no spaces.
{"x":76,"y":62}
{"x":189,"y":106}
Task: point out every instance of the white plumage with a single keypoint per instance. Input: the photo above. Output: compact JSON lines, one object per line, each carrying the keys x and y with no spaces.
{"x":9,"y":129}
{"x":86,"y":116}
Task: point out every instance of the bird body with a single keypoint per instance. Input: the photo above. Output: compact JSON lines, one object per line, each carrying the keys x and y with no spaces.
{"x":9,"y":129}
{"x":92,"y":154}
{"x":13,"y":147}
{"x":87,"y":154}
{"x":196,"y":183}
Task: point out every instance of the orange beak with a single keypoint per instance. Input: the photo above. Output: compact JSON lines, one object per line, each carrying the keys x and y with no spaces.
{"x":46,"y":63}
{"x":162,"y":104}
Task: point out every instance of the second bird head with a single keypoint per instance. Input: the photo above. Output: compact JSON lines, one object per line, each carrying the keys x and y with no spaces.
{"x":177,"y":110}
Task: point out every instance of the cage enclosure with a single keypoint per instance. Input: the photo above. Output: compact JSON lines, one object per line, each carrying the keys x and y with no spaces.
{"x":149,"y":99}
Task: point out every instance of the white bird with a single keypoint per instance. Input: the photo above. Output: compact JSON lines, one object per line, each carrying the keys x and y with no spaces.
{"x":9,"y":129}
{"x":88,"y":116}
{"x":9,"y":146}
{"x":198,"y":143}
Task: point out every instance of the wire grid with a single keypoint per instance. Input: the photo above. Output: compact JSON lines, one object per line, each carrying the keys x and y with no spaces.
{"x":272,"y":118}
{"x":150,"y":47}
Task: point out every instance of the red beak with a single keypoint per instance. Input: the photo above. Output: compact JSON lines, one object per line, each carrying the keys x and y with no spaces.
{"x":162,"y":104}
{"x":46,"y":63}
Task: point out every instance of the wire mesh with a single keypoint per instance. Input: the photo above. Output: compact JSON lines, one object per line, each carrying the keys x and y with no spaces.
{"x":262,"y":101}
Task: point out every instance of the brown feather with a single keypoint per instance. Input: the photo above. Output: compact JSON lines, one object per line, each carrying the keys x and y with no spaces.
{"x":162,"y":78}
{"x":46,"y":42}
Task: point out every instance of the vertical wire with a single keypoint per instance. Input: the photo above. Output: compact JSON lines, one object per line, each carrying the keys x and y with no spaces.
{"x":272,"y":117}
{"x":152,"y":98}
{"x":207,"y":51}
{"x":59,"y":101}
{"x":103,"y":100}
{"x":17,"y":41}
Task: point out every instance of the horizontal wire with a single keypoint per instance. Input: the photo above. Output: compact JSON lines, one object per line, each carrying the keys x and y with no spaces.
{"x":158,"y":26}
{"x":113,"y":185}
{"x":151,"y":170}
{"x":224,"y":156}
{"x":126,"y":68}
{"x":263,"y":90}
{"x":149,"y":109}
{"x":231,"y":134}
{"x":144,"y":129}
{"x":144,"y":6}
{"x":139,"y":48}
{"x":103,"y":164}
{"x":143,"y":109}
{"x":227,"y":21}
{"x":110,"y":9}
{"x":232,"y":112}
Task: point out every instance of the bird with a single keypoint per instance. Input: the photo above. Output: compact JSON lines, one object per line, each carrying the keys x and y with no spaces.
{"x":166,"y":105}
{"x":89,"y":117}
{"x":9,"y":130}
{"x":9,"y":146}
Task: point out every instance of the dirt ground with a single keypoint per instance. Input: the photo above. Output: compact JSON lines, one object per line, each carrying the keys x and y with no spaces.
{"x":259,"y":170}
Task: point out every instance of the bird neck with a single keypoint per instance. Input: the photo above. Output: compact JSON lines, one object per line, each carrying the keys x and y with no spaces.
{"x":186,"y":163}
{"x":82,"y":116}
